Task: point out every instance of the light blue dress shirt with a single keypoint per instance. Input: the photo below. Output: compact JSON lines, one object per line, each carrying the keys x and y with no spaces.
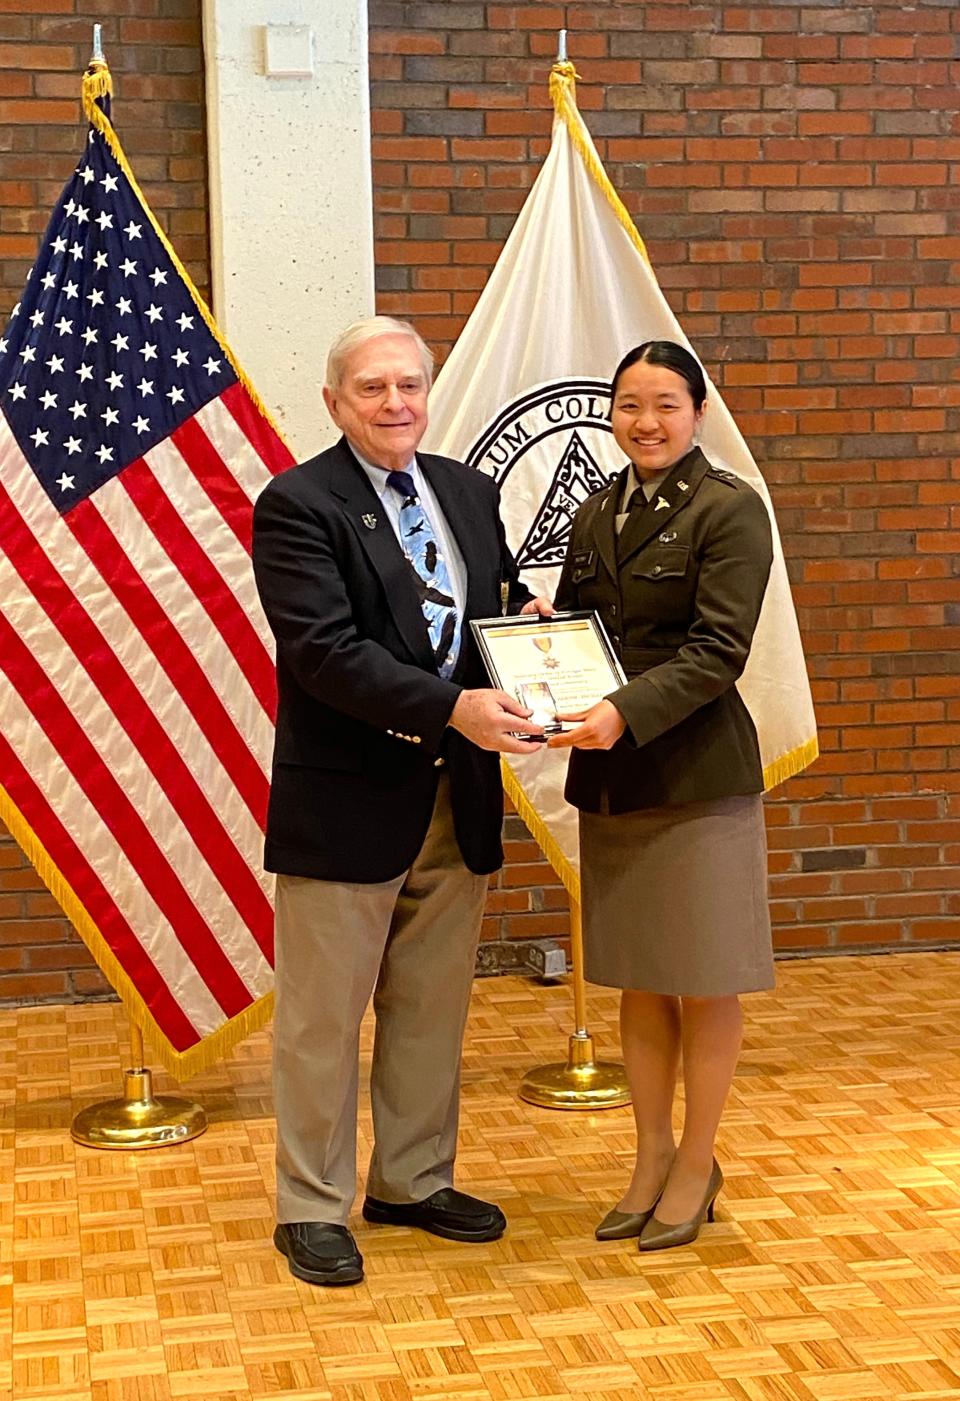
{"x":391,"y":502}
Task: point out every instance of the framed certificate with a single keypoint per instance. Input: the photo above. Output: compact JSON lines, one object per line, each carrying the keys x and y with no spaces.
{"x":561,"y":664}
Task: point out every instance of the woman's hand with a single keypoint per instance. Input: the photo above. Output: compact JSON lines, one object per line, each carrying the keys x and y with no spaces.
{"x":600,"y":728}
{"x":543,"y":606}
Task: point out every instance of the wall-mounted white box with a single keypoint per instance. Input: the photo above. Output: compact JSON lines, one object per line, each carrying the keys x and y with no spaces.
{"x":288,"y":50}
{"x":291,"y":203}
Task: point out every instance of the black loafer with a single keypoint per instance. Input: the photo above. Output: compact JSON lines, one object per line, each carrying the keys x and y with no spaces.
{"x":447,"y":1213}
{"x":319,"y":1252}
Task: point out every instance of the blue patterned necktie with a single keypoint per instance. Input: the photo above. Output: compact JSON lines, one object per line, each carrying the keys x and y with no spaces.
{"x":420,"y":545}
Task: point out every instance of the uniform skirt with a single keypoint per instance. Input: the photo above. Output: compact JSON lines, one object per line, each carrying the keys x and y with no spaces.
{"x":675,"y":898}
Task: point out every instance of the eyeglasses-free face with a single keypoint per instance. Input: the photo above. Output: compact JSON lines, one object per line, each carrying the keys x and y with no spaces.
{"x":653,"y":417}
{"x":381,"y":403}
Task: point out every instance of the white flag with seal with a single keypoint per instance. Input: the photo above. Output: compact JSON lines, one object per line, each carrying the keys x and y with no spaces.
{"x":525,"y":397}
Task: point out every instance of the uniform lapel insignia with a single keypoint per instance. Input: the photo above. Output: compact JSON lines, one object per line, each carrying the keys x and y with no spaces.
{"x":662,"y":504}
{"x":684,"y":486}
{"x":369,"y":520}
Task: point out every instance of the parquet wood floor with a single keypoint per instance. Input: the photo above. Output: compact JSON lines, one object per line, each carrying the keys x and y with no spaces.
{"x":831,"y":1274}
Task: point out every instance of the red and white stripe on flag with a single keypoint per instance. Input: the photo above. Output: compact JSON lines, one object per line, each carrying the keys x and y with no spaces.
{"x":136,"y":669}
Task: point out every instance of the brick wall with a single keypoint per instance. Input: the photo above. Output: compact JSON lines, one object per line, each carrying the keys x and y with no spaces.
{"x":153,"y":48}
{"x":793,"y":170}
{"x":794,"y":173}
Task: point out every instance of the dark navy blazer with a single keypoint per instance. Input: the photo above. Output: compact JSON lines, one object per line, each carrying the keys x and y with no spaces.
{"x":362,"y":733}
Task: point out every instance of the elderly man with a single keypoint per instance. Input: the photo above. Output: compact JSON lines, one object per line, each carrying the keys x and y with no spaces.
{"x":386,"y":806}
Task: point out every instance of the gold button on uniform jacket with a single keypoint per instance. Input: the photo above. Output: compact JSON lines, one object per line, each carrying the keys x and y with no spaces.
{"x":679,"y":592}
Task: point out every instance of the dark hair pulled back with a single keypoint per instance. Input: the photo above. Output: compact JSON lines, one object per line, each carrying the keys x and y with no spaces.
{"x":672,"y":357}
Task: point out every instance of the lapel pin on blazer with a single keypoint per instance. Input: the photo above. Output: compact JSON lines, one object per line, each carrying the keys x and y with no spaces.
{"x":369,"y":520}
{"x":684,"y":486}
{"x":662,"y":504}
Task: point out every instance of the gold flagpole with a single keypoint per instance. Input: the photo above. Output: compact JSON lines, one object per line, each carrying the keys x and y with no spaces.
{"x":138,"y":1120}
{"x":581,"y":1083}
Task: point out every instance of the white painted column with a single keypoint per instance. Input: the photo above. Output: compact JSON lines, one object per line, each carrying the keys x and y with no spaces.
{"x":291,"y":210}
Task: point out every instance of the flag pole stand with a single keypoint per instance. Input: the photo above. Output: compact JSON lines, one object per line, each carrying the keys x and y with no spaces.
{"x":583,"y":1083}
{"x":139,"y":1120}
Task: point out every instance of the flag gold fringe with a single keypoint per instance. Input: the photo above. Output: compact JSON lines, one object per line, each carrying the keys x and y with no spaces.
{"x":97,"y":83}
{"x":794,"y":761}
{"x":540,"y":832}
{"x":563,"y":92}
{"x":181,"y":1064}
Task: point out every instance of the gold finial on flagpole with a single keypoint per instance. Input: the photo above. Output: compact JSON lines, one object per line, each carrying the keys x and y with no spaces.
{"x":139,"y":1120}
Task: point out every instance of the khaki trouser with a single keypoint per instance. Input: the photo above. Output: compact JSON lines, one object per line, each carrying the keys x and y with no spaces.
{"x":412,"y":943}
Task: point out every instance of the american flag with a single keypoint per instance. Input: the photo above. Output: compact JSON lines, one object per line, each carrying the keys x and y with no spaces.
{"x":136,"y":672}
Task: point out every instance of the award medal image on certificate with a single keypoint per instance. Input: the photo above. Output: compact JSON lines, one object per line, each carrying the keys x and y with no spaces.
{"x":559,"y":665}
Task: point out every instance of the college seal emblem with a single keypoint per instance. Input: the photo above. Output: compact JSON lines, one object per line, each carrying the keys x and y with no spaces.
{"x":548,"y":450}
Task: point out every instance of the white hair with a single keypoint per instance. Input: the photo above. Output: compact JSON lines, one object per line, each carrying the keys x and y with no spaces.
{"x":367,"y":329}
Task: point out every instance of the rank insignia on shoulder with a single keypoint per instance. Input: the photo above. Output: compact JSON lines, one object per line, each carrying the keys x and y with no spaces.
{"x":722,"y":475}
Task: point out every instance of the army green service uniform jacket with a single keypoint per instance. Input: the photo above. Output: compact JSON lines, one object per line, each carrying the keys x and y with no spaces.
{"x":679,"y":594}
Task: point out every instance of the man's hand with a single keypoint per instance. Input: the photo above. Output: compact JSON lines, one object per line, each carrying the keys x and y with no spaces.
{"x":600,"y":728}
{"x":488,"y":717}
{"x":543,"y":606}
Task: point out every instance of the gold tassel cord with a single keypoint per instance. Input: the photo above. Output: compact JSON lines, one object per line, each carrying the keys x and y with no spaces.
{"x":563,"y":80}
{"x":97,"y":83}
{"x":563,"y":92}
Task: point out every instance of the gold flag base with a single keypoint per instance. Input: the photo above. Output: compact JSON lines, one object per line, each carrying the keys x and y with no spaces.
{"x":582,"y":1083}
{"x":138,"y":1120}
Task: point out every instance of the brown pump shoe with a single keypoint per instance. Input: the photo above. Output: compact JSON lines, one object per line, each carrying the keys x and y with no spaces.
{"x":664,"y":1235}
{"x":621,"y":1225}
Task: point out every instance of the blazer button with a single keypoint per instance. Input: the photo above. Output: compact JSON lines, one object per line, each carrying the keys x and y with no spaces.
{"x":415,"y":739}
{"x":438,"y":763}
{"x":657,"y":568}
